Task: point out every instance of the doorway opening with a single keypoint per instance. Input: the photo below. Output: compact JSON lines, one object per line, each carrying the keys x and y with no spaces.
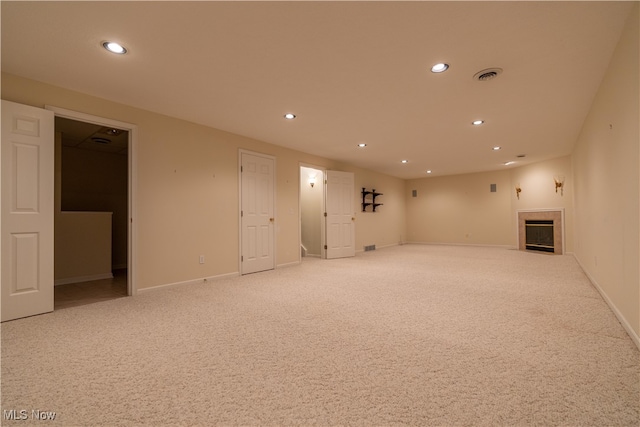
{"x":93,"y":212}
{"x":312,"y":224}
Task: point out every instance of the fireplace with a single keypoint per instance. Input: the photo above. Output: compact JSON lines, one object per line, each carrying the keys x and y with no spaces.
{"x":539,"y":235}
{"x":541,"y":230}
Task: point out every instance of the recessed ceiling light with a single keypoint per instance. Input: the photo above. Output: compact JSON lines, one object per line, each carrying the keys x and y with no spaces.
{"x":405,"y":161}
{"x":477,"y":122}
{"x":113,"y":131}
{"x":114,"y":47}
{"x":496,"y":148}
{"x":289,"y":116}
{"x":429,"y":171}
{"x":362,"y":145}
{"x":439,"y":68}
{"x":509,"y":163}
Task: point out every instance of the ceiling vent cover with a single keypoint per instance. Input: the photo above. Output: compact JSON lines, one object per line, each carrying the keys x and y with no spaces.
{"x":488,"y":74}
{"x":100,"y":140}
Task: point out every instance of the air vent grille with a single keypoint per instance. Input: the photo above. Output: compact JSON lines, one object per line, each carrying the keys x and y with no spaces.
{"x":488,"y":74}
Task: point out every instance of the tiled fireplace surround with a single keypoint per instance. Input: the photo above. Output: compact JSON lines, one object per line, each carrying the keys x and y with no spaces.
{"x":557,"y":215}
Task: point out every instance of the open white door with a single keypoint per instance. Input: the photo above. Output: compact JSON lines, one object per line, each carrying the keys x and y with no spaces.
{"x":27,"y":210}
{"x":257,"y":213}
{"x":340,"y":227}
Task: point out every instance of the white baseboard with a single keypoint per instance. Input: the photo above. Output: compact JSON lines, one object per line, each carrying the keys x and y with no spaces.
{"x":462,"y":244}
{"x":288,"y":264}
{"x":79,"y":279}
{"x":379,"y":247}
{"x":388,"y":246}
{"x":625,"y":324}
{"x":189,"y":282}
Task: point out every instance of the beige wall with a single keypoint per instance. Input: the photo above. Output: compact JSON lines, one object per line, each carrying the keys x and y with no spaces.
{"x":460,"y":209}
{"x":539,"y":192}
{"x":605,"y":164}
{"x":187,"y":190}
{"x":387,"y":225}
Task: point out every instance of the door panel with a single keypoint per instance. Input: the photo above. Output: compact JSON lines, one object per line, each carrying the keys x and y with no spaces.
{"x":257,"y":213}
{"x":27,"y":210}
{"x":341,"y":232}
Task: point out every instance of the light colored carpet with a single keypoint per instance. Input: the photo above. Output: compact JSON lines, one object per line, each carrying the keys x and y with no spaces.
{"x":408,"y":335}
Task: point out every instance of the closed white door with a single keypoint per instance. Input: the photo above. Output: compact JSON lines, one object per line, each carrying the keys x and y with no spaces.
{"x":257,"y":213}
{"x":27,"y":210}
{"x":341,"y":230}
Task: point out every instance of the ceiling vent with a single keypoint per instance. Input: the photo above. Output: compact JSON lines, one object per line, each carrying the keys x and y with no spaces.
{"x":100,"y":140}
{"x":488,"y":74}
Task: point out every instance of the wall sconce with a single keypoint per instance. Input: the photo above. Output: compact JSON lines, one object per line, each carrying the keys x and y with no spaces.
{"x":559,"y":179}
{"x":518,"y":190}
{"x":312,"y":180}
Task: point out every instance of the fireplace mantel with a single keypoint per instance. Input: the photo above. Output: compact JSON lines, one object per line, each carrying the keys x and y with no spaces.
{"x":556,"y":215}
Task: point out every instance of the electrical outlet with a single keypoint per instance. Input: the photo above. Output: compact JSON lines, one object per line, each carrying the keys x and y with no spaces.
{"x":201,"y":259}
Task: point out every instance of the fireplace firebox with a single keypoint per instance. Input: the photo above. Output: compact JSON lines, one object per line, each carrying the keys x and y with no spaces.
{"x":554,"y":224}
{"x":539,"y":235}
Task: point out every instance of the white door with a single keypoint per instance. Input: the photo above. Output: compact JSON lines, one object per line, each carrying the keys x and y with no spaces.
{"x":257,"y":213}
{"x":27,"y":210}
{"x":341,"y":230}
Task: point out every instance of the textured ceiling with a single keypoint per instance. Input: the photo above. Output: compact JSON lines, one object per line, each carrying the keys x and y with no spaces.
{"x":351,"y":71}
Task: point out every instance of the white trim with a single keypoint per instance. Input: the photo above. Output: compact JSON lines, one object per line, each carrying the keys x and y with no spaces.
{"x":80,"y":279}
{"x":242,"y":151}
{"x":132,"y":235}
{"x":387,"y":246}
{"x":625,"y":324}
{"x":564,"y":225}
{"x":511,"y":247}
{"x":288,"y":264}
{"x":189,"y":282}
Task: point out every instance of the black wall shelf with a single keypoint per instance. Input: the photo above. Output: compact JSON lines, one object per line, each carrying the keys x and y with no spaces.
{"x":369,"y":199}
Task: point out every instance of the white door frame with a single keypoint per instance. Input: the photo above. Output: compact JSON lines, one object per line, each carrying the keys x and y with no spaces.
{"x":323,"y":237}
{"x":242,"y":151}
{"x":132,"y":129}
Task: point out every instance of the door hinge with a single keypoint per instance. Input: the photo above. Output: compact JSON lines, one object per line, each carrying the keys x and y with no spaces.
{"x":325,"y":247}
{"x":241,"y":258}
{"x":241,"y":169}
{"x":325,"y":214}
{"x":241,"y":214}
